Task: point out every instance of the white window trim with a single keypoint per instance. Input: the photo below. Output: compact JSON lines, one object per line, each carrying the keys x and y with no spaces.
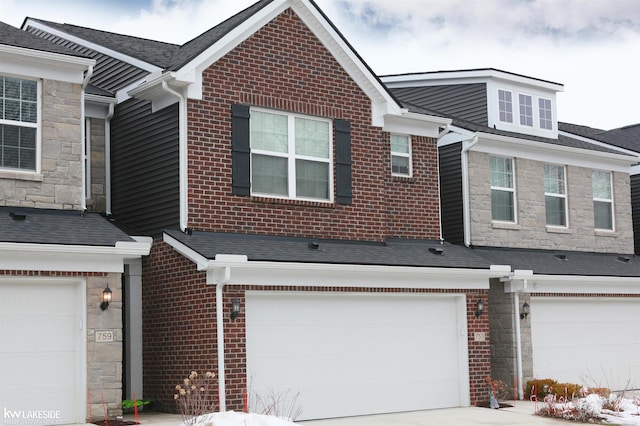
{"x":564,"y":196}
{"x":408,"y":155}
{"x":606,"y":200}
{"x":291,"y":155}
{"x":539,"y":98}
{"x":512,"y":190}
{"x":34,"y":175}
{"x":516,"y":125}
{"x":520,"y":113}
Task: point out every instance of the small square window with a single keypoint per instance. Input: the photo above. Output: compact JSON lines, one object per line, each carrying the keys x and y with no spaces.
{"x":400,"y":155}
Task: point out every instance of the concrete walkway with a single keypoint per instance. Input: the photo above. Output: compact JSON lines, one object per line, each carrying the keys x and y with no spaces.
{"x":521,"y":414}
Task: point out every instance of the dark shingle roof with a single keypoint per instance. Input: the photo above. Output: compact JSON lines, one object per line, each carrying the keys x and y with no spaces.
{"x":395,"y":252}
{"x":153,"y":52}
{"x":559,"y":262}
{"x":12,"y":36}
{"x":64,"y":227}
{"x":625,"y":137}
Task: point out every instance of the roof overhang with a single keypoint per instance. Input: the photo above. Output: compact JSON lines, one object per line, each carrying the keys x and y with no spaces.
{"x":41,"y":64}
{"x":230,"y":269}
{"x":528,"y":282}
{"x":69,"y":258}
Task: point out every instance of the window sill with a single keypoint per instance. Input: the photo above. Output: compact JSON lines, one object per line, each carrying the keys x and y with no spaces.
{"x":404,"y":178}
{"x":16,"y":175}
{"x":558,"y":230}
{"x":292,"y":202}
{"x":505,"y":225}
{"x":605,"y":233}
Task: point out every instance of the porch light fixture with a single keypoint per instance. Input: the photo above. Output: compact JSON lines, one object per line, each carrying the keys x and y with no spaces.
{"x":106,"y":298}
{"x":480,"y":308}
{"x":235,"y":308}
{"x":524,"y":313}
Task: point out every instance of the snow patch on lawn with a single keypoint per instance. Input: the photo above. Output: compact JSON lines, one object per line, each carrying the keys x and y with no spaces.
{"x":232,"y":418}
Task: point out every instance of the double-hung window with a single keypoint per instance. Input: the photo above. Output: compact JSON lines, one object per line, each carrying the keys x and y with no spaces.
{"x":18,"y":123}
{"x":400,"y":155}
{"x":546,"y":118}
{"x":290,"y":155}
{"x":555,"y":195}
{"x":602,"y":200}
{"x":505,"y":106}
{"x":502,"y":189}
{"x":526,"y":110}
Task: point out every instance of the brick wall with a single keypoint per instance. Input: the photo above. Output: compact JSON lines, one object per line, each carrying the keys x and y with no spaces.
{"x":179,"y":323}
{"x":283,"y":66}
{"x":531,"y":230}
{"x":60,"y":183}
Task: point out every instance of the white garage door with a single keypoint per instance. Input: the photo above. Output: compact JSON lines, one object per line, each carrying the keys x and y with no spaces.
{"x":592,"y":341}
{"x":356,"y":354}
{"x":40,"y":358}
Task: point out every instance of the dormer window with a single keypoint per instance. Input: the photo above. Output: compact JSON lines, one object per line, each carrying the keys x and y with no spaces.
{"x":526,"y":110}
{"x":505,"y":105}
{"x":546,"y":117}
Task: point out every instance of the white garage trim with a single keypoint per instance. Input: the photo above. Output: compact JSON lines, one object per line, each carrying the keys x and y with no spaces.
{"x":38,"y":297}
{"x":587,"y":340}
{"x":574,"y":284}
{"x":358,"y":353}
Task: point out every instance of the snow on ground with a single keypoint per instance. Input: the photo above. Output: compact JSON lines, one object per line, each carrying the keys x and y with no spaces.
{"x":627,"y":413}
{"x":232,"y":418}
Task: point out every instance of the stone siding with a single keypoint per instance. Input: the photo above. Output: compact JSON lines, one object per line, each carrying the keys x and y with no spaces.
{"x":530,"y":230}
{"x":97,"y":200}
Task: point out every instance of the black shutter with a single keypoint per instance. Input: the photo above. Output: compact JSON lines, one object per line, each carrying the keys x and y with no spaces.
{"x":240,"y":150}
{"x":344,"y":194}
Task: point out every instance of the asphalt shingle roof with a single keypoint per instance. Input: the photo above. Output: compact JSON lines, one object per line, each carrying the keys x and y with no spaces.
{"x":64,"y":227}
{"x":395,"y":252}
{"x":12,"y":36}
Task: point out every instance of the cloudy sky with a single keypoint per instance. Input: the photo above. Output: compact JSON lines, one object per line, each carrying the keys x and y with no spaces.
{"x":590,"y":46}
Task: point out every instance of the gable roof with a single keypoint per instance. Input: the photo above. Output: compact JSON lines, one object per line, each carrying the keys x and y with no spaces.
{"x":15,"y":37}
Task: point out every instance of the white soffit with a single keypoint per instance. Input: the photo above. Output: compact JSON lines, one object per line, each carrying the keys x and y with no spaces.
{"x":39,"y":64}
{"x":575,"y":284}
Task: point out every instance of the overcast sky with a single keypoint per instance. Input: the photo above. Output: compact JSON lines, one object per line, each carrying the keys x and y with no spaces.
{"x":590,"y":46}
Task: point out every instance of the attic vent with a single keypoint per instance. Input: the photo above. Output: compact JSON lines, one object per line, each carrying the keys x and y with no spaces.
{"x":560,"y":256}
{"x":436,"y":250}
{"x":314,"y":245}
{"x":623,"y":259}
{"x":17,"y":216}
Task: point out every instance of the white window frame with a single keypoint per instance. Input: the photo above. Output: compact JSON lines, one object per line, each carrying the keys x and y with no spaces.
{"x":503,"y":103}
{"x":563,"y":196}
{"x":408,"y":155}
{"x":505,"y":189}
{"x":525,"y":110}
{"x":542,"y":113}
{"x":11,"y":172}
{"x":605,"y":200}
{"x":291,"y":157}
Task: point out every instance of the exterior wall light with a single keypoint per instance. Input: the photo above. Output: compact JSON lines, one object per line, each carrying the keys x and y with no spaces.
{"x":480,"y":308}
{"x":524,"y":313}
{"x":106,"y":298}
{"x":235,"y":308}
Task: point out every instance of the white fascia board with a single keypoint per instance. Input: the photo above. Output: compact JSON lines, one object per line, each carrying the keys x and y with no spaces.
{"x":575,"y":284}
{"x":382,"y":101}
{"x":415,"y":124}
{"x":59,"y":257}
{"x":152,"y":90}
{"x":201,"y":262}
{"x":340,"y":275}
{"x":550,"y":153}
{"x":96,"y":106}
{"x":38,"y":64}
{"x":635,"y":169}
{"x":455,"y":135}
{"x":93,"y":46}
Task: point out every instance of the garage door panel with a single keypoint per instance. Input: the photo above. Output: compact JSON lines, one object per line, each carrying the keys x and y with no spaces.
{"x":587,"y":340}
{"x":346,"y":354}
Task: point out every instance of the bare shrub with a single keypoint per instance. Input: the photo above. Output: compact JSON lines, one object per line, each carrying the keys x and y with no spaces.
{"x":195,"y":397}
{"x":279,"y":404}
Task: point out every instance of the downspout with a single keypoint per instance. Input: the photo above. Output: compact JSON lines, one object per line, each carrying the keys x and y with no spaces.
{"x":107,"y":157}
{"x":83,"y":127}
{"x":516,"y":310}
{"x":182,"y":149}
{"x":466,"y":210}
{"x":222,"y":389}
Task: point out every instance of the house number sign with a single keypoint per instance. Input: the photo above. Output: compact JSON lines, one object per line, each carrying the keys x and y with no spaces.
{"x":104,"y":336}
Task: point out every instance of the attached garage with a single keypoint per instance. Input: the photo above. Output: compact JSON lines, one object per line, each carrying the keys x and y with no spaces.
{"x":350,"y":354}
{"x":42,"y":361}
{"x":592,"y":341}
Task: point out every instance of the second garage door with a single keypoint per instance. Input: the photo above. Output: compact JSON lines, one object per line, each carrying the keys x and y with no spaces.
{"x":591,"y":341}
{"x":356,"y":354}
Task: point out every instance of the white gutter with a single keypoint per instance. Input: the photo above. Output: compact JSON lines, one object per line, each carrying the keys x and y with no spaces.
{"x":83,"y":125}
{"x":107,"y":157}
{"x":182,"y":126}
{"x":466,"y":205}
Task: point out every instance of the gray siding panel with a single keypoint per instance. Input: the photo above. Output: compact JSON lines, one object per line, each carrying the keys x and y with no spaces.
{"x":144,"y":167}
{"x":635,"y":211}
{"x":451,"y":193}
{"x":466,"y":101}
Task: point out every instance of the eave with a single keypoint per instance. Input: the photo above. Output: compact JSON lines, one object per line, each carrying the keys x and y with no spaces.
{"x":41,"y":64}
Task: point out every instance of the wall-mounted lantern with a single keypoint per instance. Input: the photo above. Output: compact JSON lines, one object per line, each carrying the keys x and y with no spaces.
{"x":479,"y":308}
{"x":524,"y":313}
{"x":235,"y":308}
{"x":106,"y":298}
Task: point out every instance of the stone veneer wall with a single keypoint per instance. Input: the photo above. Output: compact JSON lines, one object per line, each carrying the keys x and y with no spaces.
{"x":97,"y":200}
{"x":59,"y":186}
{"x":531,"y":231}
